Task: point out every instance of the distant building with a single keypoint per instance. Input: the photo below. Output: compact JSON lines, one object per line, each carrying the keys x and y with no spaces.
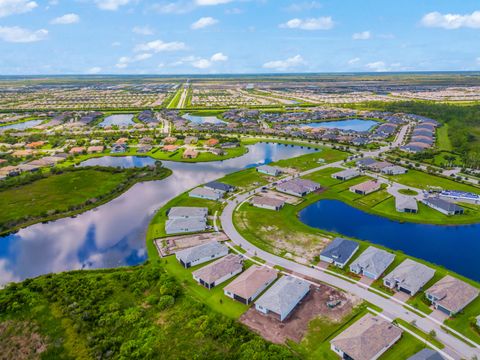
{"x":218,"y":186}
{"x":346,"y":174}
{"x":408,"y":277}
{"x":366,"y":187}
{"x":178,"y":226}
{"x":200,"y":254}
{"x":269,"y":170}
{"x":298,"y":187}
{"x":266,"y":202}
{"x":186,"y":212}
{"x":394,"y":170}
{"x":443,"y":206}
{"x":283,"y":296}
{"x":339,"y":252}
{"x":406,"y":204}
{"x":205,"y":193}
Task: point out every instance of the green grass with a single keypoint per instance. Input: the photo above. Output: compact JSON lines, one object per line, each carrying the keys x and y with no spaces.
{"x":464,"y":322}
{"x":407,"y":346}
{"x":443,"y":141}
{"x":420,"y":333}
{"x":408,"y":192}
{"x":56,"y":192}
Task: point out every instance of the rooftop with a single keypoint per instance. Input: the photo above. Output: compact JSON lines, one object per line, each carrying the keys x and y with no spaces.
{"x":219,"y":268}
{"x":340,"y":249}
{"x":187,"y":212}
{"x":374,"y":260}
{"x":453,"y":293}
{"x":201,"y":251}
{"x":411,"y":274}
{"x":248,"y":283}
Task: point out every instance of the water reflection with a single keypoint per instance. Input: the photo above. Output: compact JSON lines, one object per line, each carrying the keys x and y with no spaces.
{"x":350,"y":124}
{"x":21,"y":126}
{"x":118,"y":119}
{"x":114,"y":233}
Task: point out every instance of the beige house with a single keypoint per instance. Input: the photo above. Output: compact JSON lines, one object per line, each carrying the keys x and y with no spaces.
{"x":250,"y":284}
{"x":366,"y":187}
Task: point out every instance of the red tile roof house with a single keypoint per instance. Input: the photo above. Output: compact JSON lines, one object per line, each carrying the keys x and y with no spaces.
{"x":95,"y":149}
{"x":219,"y":271}
{"x":250,"y":284}
{"x":212,"y":142}
{"x":35,"y":144}
{"x":170,"y":148}
{"x":366,"y":187}
{"x":77,"y":150}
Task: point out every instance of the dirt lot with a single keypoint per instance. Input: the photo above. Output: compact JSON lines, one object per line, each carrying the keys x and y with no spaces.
{"x":296,"y":325}
{"x":170,"y":245}
{"x":289,"y":199}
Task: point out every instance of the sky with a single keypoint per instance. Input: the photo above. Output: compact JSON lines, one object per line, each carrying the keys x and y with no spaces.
{"x":237,"y":36}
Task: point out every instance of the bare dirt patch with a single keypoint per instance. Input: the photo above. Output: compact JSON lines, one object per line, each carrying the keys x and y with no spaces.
{"x":296,"y":325}
{"x":20,"y":340}
{"x":172,"y":244}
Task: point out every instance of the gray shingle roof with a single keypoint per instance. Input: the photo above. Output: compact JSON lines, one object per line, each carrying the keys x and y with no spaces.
{"x":201,"y":251}
{"x":374,"y":260}
{"x":426,"y":354}
{"x":187,"y":212}
{"x":340,"y":250}
{"x":411,"y":274}
{"x":443,"y":204}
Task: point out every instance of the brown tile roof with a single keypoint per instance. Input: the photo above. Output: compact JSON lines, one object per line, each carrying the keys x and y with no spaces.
{"x":367,"y":337}
{"x":254,"y":278}
{"x":367,"y":186}
{"x":453,"y":293}
{"x":219,"y":268}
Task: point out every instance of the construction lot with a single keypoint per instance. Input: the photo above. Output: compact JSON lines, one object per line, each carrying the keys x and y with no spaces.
{"x":296,"y":325}
{"x":170,"y":245}
{"x":289,"y":199}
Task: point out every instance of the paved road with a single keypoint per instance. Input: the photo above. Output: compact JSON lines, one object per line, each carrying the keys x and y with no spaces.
{"x":393,"y":308}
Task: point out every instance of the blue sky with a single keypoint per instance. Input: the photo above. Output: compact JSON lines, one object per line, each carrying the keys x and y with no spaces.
{"x":237,"y":36}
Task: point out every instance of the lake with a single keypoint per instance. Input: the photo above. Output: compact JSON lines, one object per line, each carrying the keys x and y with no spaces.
{"x":113,"y":234}
{"x":118,"y":119}
{"x":348,"y":124}
{"x":21,"y":126}
{"x":203,"y":119}
{"x":454,"y":247}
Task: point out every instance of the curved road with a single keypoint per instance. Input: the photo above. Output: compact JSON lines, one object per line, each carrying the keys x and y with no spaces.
{"x":392,"y":307}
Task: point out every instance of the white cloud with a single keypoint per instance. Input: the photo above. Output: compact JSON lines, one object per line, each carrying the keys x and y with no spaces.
{"x":203,"y":22}
{"x":201,"y":63}
{"x":66,"y":19}
{"x":219,"y":57}
{"x":353,"y":61}
{"x":281,"y":65}
{"x":321,"y":23}
{"x":94,"y":70}
{"x":142,"y":30}
{"x":111,"y":5}
{"x":116,"y":43}
{"x":176,"y":7}
{"x":160,"y":46}
{"x":211,"y":2}
{"x":17,"y":34}
{"x":451,"y":21}
{"x":304,"y":6}
{"x":364,"y":35}
{"x":11,"y":7}
{"x":125,"y":60}
{"x":6,"y":276}
{"x":380,"y":66}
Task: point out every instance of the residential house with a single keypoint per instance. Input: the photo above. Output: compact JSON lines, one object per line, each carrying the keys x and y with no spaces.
{"x":283,"y":296}
{"x":443,"y":206}
{"x":169,"y":148}
{"x":219,"y":271}
{"x":190,"y":140}
{"x":379,"y":166}
{"x":366,"y":187}
{"x":372,"y":262}
{"x":250,"y":284}
{"x":298,"y":187}
{"x":170,"y":140}
{"x":266,"y":202}
{"x":177,"y":226}
{"x":212,"y":142}
{"x":346,"y":174}
{"x":367,"y":339}
{"x":364,"y":162}
{"x":190,"y":154}
{"x":95,"y":149}
{"x":186,"y":212}
{"x":219,"y":186}
{"x":426,"y":354}
{"x":339,"y":252}
{"x":201,"y":253}
{"x":77,"y":150}
{"x":450,"y":295}
{"x":35,"y":145}
{"x":408,"y":277}
{"x":205,"y":193}
{"x":269,"y":170}
{"x":394,"y":170}
{"x":118,"y":148}
{"x":406,"y":204}
{"x":144,"y":148}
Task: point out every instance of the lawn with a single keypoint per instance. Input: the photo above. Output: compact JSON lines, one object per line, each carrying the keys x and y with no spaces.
{"x":407,"y":346}
{"x":464,"y":322}
{"x":443,"y":141}
{"x":57,"y":193}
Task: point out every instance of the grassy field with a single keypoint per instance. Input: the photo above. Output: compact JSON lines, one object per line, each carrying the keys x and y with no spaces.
{"x":407,"y":346}
{"x":56,"y":192}
{"x":443,"y":141}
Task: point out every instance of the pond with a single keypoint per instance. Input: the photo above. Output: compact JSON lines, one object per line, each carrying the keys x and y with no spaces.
{"x":118,"y":119}
{"x":454,"y":247}
{"x":113,"y":234}
{"x":22,"y":125}
{"x":203,"y":119}
{"x":348,"y":124}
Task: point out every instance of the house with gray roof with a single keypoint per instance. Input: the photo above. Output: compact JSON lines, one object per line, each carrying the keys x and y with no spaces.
{"x":426,"y":354}
{"x":298,"y":187}
{"x":269,"y":170}
{"x":219,"y":186}
{"x":451,"y":295}
{"x":372,"y":262}
{"x":187,"y":212}
{"x":406,"y":204}
{"x":394,"y":170}
{"x":365,"y":162}
{"x":408,"y":277}
{"x":283,"y":296}
{"x":205,"y":193}
{"x":443,"y":206}
{"x":266,"y":202}
{"x":202,"y":253}
{"x":219,"y":271}
{"x":339,"y":252}
{"x":367,"y":339}
{"x":182,"y":225}
{"x":346,"y":174}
